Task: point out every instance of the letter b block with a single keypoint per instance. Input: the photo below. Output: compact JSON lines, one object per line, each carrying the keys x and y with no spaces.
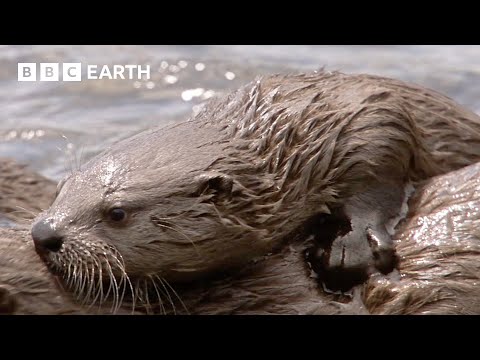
{"x":48,"y":71}
{"x":27,"y":72}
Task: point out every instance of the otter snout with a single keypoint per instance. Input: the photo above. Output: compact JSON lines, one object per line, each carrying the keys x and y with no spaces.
{"x":45,"y":237}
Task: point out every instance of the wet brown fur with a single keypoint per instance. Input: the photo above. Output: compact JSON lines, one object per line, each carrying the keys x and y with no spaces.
{"x":242,"y":176}
{"x":19,"y":185}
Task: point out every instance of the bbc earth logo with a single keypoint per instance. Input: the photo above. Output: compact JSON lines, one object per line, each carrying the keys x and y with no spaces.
{"x":73,"y":72}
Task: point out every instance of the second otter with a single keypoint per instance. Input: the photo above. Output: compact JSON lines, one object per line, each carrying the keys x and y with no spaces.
{"x":253,"y":168}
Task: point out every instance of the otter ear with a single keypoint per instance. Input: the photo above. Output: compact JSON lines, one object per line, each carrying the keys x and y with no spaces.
{"x":218,"y":184}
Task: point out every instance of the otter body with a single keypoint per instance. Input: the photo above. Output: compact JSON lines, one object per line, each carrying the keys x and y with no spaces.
{"x":238,"y":179}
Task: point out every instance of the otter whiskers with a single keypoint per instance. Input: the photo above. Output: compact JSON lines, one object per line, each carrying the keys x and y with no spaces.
{"x":176,"y":294}
{"x":154,"y":291}
{"x":72,"y":155}
{"x":23,"y":210}
{"x":85,"y":277}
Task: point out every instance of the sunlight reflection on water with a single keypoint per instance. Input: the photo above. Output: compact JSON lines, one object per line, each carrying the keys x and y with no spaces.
{"x":94,"y":113}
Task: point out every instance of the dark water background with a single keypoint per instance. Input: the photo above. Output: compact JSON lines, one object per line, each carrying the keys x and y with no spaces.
{"x":48,"y":125}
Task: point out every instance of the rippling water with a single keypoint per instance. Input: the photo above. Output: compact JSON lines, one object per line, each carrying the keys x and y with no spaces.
{"x":52,"y":125}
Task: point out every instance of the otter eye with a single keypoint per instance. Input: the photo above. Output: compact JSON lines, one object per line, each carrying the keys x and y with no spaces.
{"x":117,"y":214}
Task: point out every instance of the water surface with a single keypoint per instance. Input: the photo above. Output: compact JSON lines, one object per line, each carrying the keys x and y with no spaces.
{"x":53,"y":125}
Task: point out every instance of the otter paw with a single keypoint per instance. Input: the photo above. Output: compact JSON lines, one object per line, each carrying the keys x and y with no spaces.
{"x":359,"y":244}
{"x":351,"y":258}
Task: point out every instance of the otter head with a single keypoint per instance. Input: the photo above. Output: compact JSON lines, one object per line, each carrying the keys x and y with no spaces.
{"x":152,"y":206}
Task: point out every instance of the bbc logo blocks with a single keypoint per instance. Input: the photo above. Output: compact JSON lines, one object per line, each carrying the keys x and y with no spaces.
{"x":49,"y":72}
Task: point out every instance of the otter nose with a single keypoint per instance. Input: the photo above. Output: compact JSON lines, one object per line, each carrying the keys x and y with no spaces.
{"x":45,"y":237}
